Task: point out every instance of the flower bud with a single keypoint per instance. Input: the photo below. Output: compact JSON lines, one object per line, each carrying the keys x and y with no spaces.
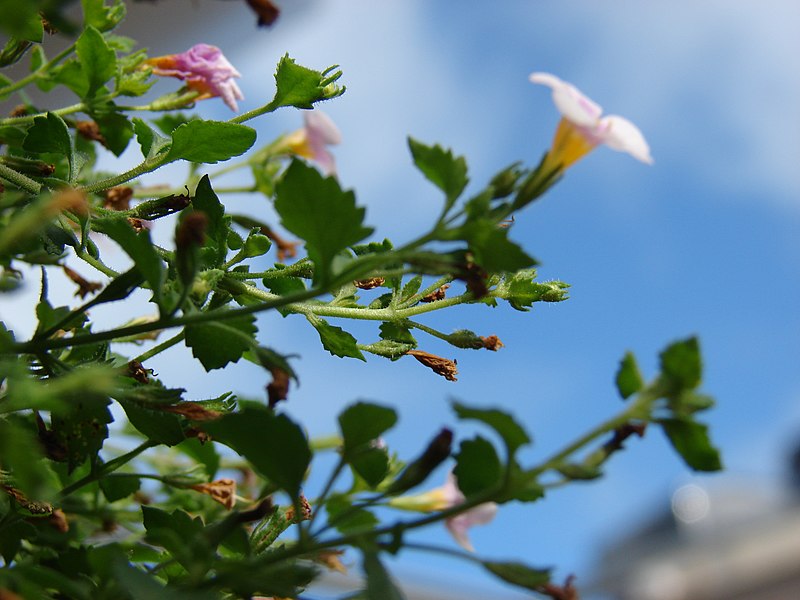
{"x":415,"y":473}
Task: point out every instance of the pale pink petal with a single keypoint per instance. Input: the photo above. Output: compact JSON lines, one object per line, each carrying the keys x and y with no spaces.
{"x":622,"y":135}
{"x":569,"y":100}
{"x":320,"y":125}
{"x":460,"y":524}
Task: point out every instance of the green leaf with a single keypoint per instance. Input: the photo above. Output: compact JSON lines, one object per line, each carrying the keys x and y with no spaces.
{"x":503,"y":423}
{"x":317,"y":210}
{"x":206,"y":201}
{"x":681,"y":364}
{"x":335,"y":339}
{"x":445,"y":171}
{"x":21,"y":20}
{"x":629,"y":378}
{"x":217,"y":343}
{"x":49,"y":134}
{"x":362,"y":423}
{"x":116,"y":487}
{"x":180,"y":534}
{"x":690,"y":439}
{"x":296,"y":85}
{"x":21,"y":456}
{"x":82,"y":430}
{"x":371,"y":464}
{"x":210,"y":141}
{"x":98,"y":61}
{"x":274,"y":444}
{"x":352,"y":520}
{"x":492,"y":249}
{"x":136,"y":245}
{"x":379,"y":584}
{"x":157,"y":425}
{"x":579,"y":472}
{"x":519,"y":574}
{"x":256,"y":244}
{"x":396,"y":333}
{"x":150,"y":141}
{"x":478,"y":467}
{"x":104,"y":18}
{"x":204,"y":454}
{"x":116,"y":129}
{"x":120,"y":287}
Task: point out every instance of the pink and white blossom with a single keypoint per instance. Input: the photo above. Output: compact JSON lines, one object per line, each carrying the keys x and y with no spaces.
{"x":448,"y":496}
{"x":313,"y":139}
{"x":204,"y":69}
{"x":583,"y":126}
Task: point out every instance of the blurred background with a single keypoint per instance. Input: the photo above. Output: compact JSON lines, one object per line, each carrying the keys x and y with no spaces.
{"x":704,"y":242}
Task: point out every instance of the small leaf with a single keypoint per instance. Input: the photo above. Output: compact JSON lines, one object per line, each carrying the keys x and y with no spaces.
{"x":397,"y":333}
{"x":352,"y":520}
{"x":681,"y":364}
{"x":210,"y":141}
{"x":361,"y":423}
{"x":478,"y":467}
{"x":296,"y":85}
{"x":521,"y":291}
{"x":21,"y":20}
{"x":49,"y":134}
{"x":445,"y":171}
{"x":149,"y":139}
{"x":98,"y":61}
{"x":317,"y":210}
{"x":82,"y":430}
{"x":207,"y":201}
{"x":274,"y":444}
{"x":690,"y":439}
{"x":492,"y":249}
{"x":217,"y":343}
{"x":116,"y":129}
{"x":503,"y":423}
{"x":158,"y":426}
{"x":335,"y":339}
{"x":102,"y":17}
{"x":519,"y":574}
{"x":116,"y":487}
{"x":629,"y":378}
{"x":371,"y":464}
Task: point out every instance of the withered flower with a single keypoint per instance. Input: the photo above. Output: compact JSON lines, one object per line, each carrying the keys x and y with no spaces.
{"x":491,"y":342}
{"x":118,"y":198}
{"x":59,"y":521}
{"x":278,"y":388}
{"x":441,"y":366}
{"x":368,"y":284}
{"x":436,"y":295}
{"x":85,"y":287}
{"x":193,"y":411}
{"x":221,"y":490}
{"x":305,"y":513}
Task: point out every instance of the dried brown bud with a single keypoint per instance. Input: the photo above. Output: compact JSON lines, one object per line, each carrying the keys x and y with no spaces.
{"x":266,"y":10}
{"x":59,"y":521}
{"x":557,"y":592}
{"x":192,"y":230}
{"x":441,"y":366}
{"x":138,"y":225}
{"x":20,"y":110}
{"x":138,"y":372}
{"x":507,"y":223}
{"x":436,"y":295}
{"x":368,"y":284}
{"x":221,"y":490}
{"x":84,"y":287}
{"x":491,"y":342}
{"x":90,"y":131}
{"x":278,"y":388}
{"x":622,"y":433}
{"x":69,"y":199}
{"x":118,"y":198}
{"x":305,"y":511}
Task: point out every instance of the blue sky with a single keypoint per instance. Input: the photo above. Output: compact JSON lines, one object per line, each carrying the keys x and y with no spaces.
{"x":703,"y":242}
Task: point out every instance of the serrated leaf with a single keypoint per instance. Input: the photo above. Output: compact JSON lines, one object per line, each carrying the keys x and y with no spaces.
{"x":492,"y":249}
{"x":335,"y":339}
{"x":204,"y":454}
{"x":521,"y":291}
{"x":82,"y":430}
{"x":98,"y":61}
{"x":156,"y":425}
{"x":363,"y":422}
{"x":681,"y":364}
{"x":210,"y":141}
{"x":49,"y":134}
{"x":274,"y":444}
{"x":217,"y":343}
{"x":317,"y":210}
{"x":100,"y":16}
{"x":629,"y":378}
{"x":397,"y":333}
{"x":478,"y":467}
{"x":518,"y":574}
{"x":116,"y":129}
{"x":503,"y":423}
{"x":296,"y":85}
{"x":690,"y":439}
{"x":445,"y":171}
{"x":216,"y":244}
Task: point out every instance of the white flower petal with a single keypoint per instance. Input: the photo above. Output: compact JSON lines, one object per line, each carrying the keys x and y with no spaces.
{"x":569,"y":100}
{"x":618,"y":133}
{"x":321,"y":126}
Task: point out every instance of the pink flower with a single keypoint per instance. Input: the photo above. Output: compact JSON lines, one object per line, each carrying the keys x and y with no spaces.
{"x":448,"y":496}
{"x":583,"y":128}
{"x":312,"y":140}
{"x":205,"y":70}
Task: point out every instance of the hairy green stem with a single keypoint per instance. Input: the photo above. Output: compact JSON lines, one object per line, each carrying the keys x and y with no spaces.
{"x":23,"y":182}
{"x":158,"y":349}
{"x":107,"y":468}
